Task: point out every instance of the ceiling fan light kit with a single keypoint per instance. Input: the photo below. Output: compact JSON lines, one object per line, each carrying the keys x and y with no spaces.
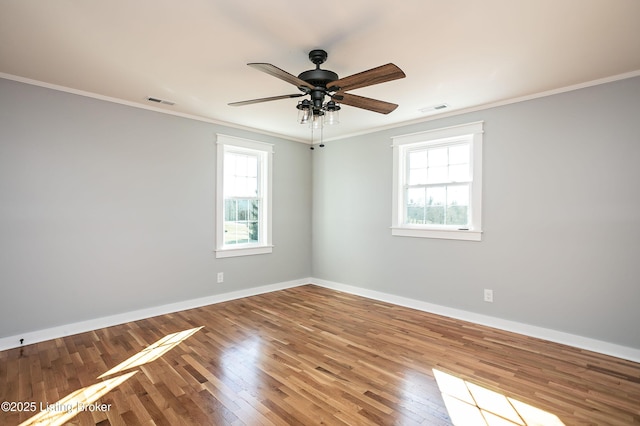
{"x":304,"y":111}
{"x":332,"y":113}
{"x":320,"y":83}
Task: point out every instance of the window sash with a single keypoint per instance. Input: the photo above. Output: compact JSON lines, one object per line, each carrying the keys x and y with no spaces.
{"x":429,"y":149}
{"x":449,"y":211}
{"x":249,"y":224}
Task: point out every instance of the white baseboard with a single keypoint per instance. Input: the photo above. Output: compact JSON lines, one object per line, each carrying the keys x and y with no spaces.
{"x":581,"y":342}
{"x":108,"y":321}
{"x":624,"y":352}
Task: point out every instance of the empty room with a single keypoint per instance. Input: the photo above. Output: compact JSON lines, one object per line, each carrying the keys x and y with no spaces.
{"x":343,"y":213}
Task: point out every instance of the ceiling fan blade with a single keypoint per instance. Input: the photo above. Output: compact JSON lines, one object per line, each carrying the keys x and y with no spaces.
{"x":281,"y":74}
{"x":370,"y":77}
{"x":272,"y":98}
{"x":365,"y":103}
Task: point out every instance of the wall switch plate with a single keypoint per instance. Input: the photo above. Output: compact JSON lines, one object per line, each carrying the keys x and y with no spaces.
{"x":220,"y":277}
{"x":488,"y":295}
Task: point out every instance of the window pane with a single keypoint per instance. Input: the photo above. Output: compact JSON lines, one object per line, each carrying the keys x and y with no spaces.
{"x":416,"y":215}
{"x":229,"y":173}
{"x":253,"y":232}
{"x":230,"y":233}
{"x":436,"y":196}
{"x":240,"y":188}
{"x":417,"y":167}
{"x":459,"y":154}
{"x":457,"y":215}
{"x":252,"y":187}
{"x":415,"y":196}
{"x":230,"y":211}
{"x":459,"y":173}
{"x":254,"y":210}
{"x":244,"y":237}
{"x":252,"y":166}
{"x":438,"y":174}
{"x":415,"y":206}
{"x":243,"y":209}
{"x":435,"y":215}
{"x":418,"y":159}
{"x":458,"y":195}
{"x":436,"y":202}
{"x":417,"y":176}
{"x":240,"y":163}
{"x":229,"y":165}
{"x":438,"y":157}
{"x":457,"y":205}
{"x":229,"y":182}
{"x":236,"y":233}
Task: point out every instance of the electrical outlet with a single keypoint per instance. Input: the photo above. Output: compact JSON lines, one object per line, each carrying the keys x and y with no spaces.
{"x":220,"y":277}
{"x":488,"y":295}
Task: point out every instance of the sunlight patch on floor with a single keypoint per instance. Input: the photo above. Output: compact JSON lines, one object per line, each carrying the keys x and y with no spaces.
{"x":469,"y":404}
{"x":152,"y":352}
{"x":81,"y":400}
{"x":85,"y":399}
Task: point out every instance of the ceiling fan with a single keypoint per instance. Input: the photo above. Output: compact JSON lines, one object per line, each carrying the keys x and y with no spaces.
{"x":318,"y":83}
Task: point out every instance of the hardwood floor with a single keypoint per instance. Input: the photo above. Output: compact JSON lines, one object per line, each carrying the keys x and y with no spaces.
{"x":310,"y":355}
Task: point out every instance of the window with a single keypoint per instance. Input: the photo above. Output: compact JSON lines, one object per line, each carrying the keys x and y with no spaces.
{"x":437,"y":188}
{"x":243,"y":201}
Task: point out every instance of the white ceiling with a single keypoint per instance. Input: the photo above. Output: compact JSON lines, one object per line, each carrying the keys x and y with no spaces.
{"x":465,"y":53}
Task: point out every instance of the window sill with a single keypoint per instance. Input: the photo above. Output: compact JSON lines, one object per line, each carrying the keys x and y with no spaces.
{"x":243,"y":251}
{"x":446,"y":234}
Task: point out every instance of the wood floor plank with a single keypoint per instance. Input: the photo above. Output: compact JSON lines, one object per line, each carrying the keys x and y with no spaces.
{"x":309,"y":355}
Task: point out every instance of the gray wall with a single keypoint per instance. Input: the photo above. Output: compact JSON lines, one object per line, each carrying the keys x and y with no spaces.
{"x":106,"y":209}
{"x":561,"y":216}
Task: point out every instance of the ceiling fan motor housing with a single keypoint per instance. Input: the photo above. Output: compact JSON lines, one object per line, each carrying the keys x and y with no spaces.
{"x":318,"y":77}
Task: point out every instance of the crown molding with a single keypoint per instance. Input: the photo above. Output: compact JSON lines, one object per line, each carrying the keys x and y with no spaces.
{"x":143,"y":106}
{"x":431,"y":117}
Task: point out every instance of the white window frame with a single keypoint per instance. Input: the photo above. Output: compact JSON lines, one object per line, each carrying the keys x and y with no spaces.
{"x":264,"y":152}
{"x":402,"y":145}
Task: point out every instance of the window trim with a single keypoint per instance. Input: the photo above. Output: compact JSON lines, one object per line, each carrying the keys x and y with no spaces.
{"x":231,"y":143}
{"x":402,"y":145}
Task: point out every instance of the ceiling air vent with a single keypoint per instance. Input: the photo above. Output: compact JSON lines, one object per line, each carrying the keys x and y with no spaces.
{"x":434,"y":108}
{"x":160,"y":101}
